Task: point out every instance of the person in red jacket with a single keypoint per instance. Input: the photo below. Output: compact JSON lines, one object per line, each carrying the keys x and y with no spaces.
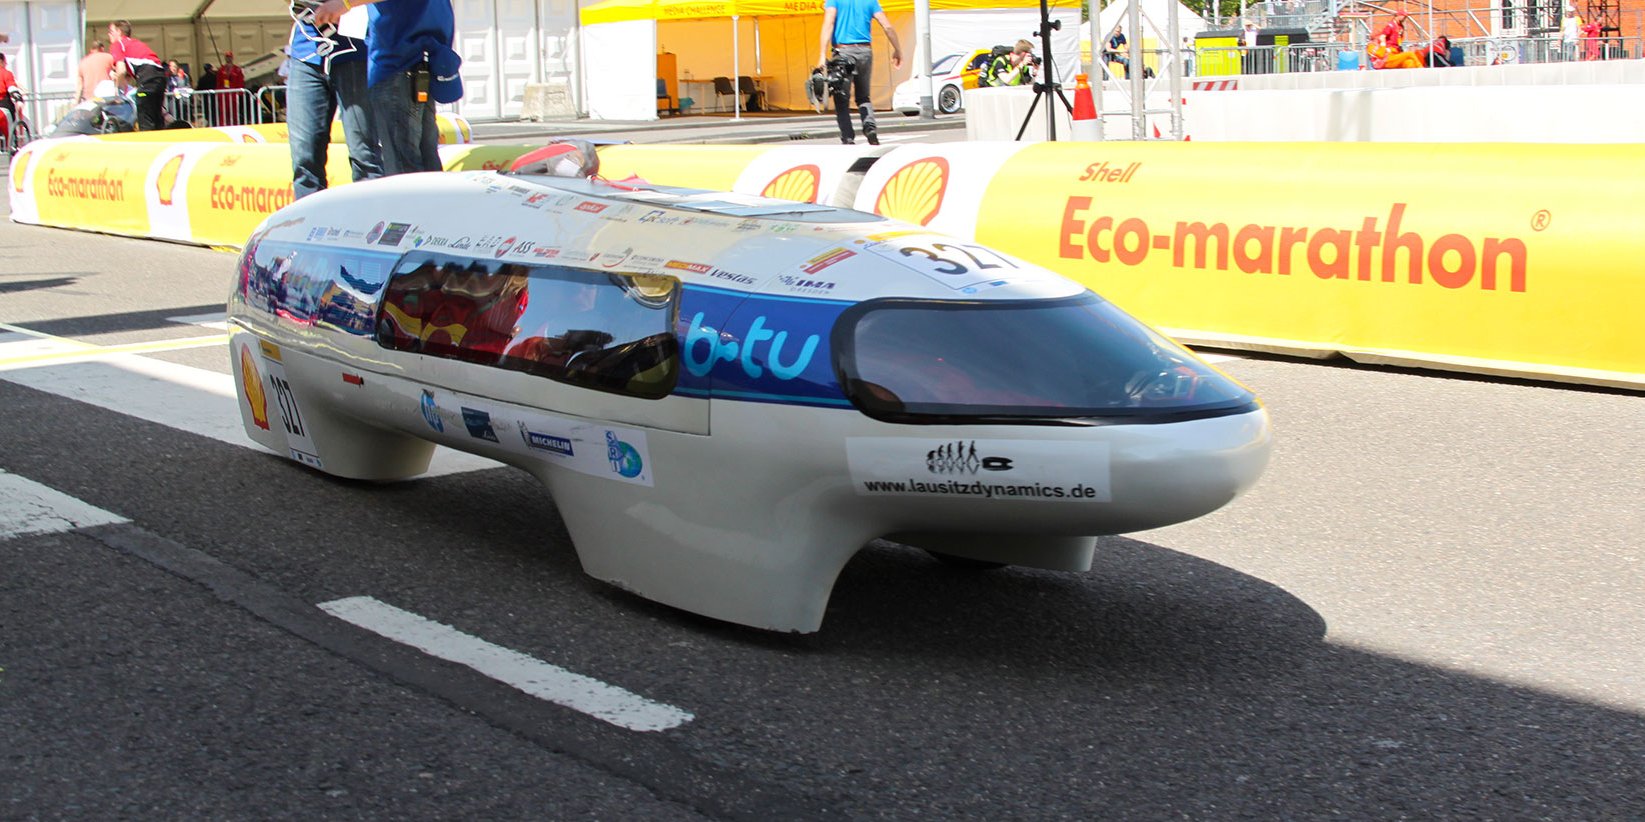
{"x":133,"y":58}
{"x":233,"y":107}
{"x":1394,"y":31}
{"x":1590,"y":39}
{"x":9,"y":110}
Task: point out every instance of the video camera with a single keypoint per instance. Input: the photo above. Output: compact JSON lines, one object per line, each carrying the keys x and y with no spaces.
{"x":840,"y":72}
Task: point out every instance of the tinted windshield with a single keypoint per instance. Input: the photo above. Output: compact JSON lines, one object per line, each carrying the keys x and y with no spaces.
{"x":945,"y":65}
{"x":1080,"y":357}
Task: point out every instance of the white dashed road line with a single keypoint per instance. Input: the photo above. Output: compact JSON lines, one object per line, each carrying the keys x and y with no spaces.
{"x":177,"y":396}
{"x":215,"y":319}
{"x":27,"y":507}
{"x":535,"y":677}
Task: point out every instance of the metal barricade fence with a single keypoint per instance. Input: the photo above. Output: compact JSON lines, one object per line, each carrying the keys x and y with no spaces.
{"x":271,"y":102}
{"x":218,"y":107}
{"x":1492,"y":51}
{"x":1230,"y":61}
{"x":44,"y":110}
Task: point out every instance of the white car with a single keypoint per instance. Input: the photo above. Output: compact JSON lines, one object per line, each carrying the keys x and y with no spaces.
{"x":949,"y":80}
{"x":727,"y":396}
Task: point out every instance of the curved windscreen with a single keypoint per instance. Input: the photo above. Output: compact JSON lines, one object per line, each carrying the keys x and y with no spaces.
{"x":606,"y":331}
{"x":928,"y":361}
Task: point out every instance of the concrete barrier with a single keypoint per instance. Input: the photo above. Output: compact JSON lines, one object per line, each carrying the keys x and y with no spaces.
{"x":1433,"y":114}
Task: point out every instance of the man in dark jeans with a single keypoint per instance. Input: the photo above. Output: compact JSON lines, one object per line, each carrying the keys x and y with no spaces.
{"x":410,"y":66}
{"x":845,"y":28}
{"x":135,"y":59}
{"x":327,"y":75}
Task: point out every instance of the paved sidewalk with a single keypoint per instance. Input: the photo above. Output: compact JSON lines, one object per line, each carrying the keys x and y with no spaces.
{"x":763,"y":128}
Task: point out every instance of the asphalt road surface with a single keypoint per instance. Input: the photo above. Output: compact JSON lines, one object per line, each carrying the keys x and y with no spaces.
{"x":1431,"y":606}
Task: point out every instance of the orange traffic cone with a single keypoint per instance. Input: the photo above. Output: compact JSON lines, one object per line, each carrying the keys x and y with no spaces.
{"x":1085,"y":110}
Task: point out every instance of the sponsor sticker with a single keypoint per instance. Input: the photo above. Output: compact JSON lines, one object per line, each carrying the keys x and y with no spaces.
{"x":478,"y":424}
{"x":431,"y":412}
{"x":551,"y":443}
{"x":393,"y":234}
{"x":969,"y":468}
{"x":827,"y":258}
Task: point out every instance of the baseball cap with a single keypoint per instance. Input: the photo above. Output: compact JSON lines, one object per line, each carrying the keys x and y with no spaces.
{"x":445,"y":83}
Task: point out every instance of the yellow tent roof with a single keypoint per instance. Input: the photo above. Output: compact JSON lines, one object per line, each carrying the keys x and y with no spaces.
{"x":612,"y":11}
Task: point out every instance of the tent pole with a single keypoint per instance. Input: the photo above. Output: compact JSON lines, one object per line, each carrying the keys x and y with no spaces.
{"x":1173,"y":41}
{"x":1099,"y":65}
{"x":1139,"y":129}
{"x":922,"y":57}
{"x":736,"y":66}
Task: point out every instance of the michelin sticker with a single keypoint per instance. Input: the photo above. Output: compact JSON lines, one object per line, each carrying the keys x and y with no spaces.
{"x":585,"y":447}
{"x":968,"y":468}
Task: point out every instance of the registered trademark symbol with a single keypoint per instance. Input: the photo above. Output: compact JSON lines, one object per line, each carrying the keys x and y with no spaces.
{"x":1541,"y":219}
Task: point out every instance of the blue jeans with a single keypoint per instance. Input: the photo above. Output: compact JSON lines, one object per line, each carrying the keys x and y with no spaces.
{"x":409,"y":135}
{"x":312,"y":98}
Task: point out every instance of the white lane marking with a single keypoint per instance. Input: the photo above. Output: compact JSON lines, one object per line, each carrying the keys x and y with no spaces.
{"x":178,"y":396}
{"x":892,"y":138}
{"x":216,"y":319}
{"x":552,"y":683}
{"x":33,"y":352}
{"x":27,"y":507}
{"x":1209,"y":357}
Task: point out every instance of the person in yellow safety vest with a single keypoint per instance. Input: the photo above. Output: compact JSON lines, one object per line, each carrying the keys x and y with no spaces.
{"x":1012,"y":68}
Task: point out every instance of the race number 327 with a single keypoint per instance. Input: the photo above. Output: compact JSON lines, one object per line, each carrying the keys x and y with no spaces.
{"x":289,"y":414}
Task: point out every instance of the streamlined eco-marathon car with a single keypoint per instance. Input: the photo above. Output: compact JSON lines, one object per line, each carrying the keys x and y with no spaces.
{"x":727,"y":396}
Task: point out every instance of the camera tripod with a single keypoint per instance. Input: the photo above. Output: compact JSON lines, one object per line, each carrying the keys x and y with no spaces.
{"x":1046,"y":85}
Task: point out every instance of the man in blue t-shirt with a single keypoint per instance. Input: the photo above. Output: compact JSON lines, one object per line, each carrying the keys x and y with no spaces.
{"x":327,"y":77}
{"x":845,"y":27}
{"x":410,"y":66}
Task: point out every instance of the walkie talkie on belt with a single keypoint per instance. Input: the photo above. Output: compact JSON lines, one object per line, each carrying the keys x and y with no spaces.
{"x":419,"y":83}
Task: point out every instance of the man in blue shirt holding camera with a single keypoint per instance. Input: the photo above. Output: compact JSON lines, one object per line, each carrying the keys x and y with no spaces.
{"x":845,"y":27}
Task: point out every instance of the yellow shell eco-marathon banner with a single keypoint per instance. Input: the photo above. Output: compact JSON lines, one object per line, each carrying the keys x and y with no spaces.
{"x":481,"y":158}
{"x":94,"y":185}
{"x":1471,"y":252}
{"x":232,"y":188}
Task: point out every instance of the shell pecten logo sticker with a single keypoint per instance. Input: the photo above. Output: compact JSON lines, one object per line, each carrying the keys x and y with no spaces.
{"x":166,"y":183}
{"x":251,"y":381}
{"x":914,"y":193}
{"x":799,"y":184}
{"x":20,"y":169}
